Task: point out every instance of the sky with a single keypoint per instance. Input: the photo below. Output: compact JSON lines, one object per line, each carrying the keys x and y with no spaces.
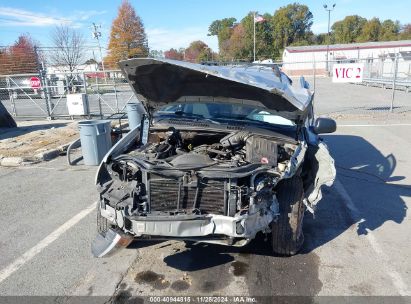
{"x":170,"y":23}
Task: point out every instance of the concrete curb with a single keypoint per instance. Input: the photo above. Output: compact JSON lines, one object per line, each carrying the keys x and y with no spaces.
{"x":47,"y":155}
{"x":43,"y":155}
{"x":17,"y":161}
{"x":11,"y":161}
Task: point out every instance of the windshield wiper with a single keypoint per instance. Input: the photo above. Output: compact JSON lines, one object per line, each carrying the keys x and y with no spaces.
{"x":240,"y":118}
{"x":246,"y":119}
{"x":188,"y":115}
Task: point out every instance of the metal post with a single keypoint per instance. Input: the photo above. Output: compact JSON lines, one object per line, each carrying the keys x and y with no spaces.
{"x":85,"y":92}
{"x":99,"y":100}
{"x":115,"y":94}
{"x":98,"y":91}
{"x":42,"y":81}
{"x":85,"y":84}
{"x":314,"y":71}
{"x":394,"y":81}
{"x":254,"y":35}
{"x":328,"y":42}
{"x":11,"y":97}
{"x":47,"y":93}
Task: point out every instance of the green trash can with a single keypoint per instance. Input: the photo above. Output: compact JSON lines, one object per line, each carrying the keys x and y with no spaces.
{"x":95,"y":138}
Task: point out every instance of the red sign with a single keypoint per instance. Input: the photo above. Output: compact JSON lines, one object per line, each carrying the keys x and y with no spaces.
{"x":95,"y":75}
{"x":35,"y":82}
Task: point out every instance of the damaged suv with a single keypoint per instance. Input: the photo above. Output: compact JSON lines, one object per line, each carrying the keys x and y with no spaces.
{"x":222,"y":153}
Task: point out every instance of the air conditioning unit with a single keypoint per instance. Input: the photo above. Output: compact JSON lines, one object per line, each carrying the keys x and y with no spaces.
{"x":77,"y":104}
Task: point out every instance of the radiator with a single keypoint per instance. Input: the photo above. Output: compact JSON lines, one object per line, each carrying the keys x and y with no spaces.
{"x":170,"y":195}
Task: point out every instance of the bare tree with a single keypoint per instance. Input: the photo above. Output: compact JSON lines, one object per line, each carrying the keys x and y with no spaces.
{"x":69,"y":47}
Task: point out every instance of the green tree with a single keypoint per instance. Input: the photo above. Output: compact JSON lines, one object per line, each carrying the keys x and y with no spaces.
{"x":347,"y":30}
{"x":320,"y":38}
{"x":291,"y":24}
{"x":223,"y":29}
{"x":237,"y":44}
{"x":128,"y":38}
{"x":217,"y":26}
{"x":405,"y":32}
{"x":390,"y":30}
{"x":263,"y":39}
{"x":371,"y":31}
{"x":309,"y":39}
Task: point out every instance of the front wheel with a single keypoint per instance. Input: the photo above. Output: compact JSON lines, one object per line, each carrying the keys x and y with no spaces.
{"x":287,"y":235}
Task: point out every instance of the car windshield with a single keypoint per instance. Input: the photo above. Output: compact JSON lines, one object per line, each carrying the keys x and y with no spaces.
{"x":223,"y":111}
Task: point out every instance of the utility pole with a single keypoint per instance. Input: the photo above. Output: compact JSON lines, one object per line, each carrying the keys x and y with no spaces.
{"x":97,"y":35}
{"x":329,"y":10}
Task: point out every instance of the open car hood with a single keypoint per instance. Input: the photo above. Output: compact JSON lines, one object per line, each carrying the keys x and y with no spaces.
{"x":158,"y":82}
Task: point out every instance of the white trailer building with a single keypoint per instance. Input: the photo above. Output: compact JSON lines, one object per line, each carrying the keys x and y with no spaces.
{"x":378,"y":57}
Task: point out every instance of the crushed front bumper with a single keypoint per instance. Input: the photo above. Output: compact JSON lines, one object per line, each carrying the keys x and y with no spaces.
{"x":174,"y":226}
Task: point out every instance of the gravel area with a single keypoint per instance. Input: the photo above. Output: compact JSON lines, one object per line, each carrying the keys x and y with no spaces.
{"x":31,"y":138}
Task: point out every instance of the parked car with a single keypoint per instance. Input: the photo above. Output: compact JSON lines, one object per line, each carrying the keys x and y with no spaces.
{"x":225,"y":152}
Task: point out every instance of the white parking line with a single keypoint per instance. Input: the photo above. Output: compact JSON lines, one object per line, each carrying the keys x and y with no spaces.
{"x":31,"y":253}
{"x":381,"y":125}
{"x":395,"y":276}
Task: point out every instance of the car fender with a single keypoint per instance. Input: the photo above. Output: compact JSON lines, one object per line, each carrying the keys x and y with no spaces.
{"x":319,"y":170}
{"x":118,"y":148}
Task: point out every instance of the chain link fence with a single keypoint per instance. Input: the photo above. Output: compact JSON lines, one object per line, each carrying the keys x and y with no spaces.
{"x":386,"y":87}
{"x":45,"y":95}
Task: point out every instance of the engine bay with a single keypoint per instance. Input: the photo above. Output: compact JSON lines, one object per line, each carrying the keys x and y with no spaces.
{"x":200,"y":149}
{"x":200,"y":172}
{"x":195,"y":173}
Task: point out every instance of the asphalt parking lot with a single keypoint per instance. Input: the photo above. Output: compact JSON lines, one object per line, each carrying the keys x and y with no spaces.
{"x":358,"y":243}
{"x":340,"y":99}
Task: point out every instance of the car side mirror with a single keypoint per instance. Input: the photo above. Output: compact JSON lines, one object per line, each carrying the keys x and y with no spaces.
{"x":324,"y":125}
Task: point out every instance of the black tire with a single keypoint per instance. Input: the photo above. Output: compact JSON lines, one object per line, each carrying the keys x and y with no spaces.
{"x":287,"y":235}
{"x":102,"y":222}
